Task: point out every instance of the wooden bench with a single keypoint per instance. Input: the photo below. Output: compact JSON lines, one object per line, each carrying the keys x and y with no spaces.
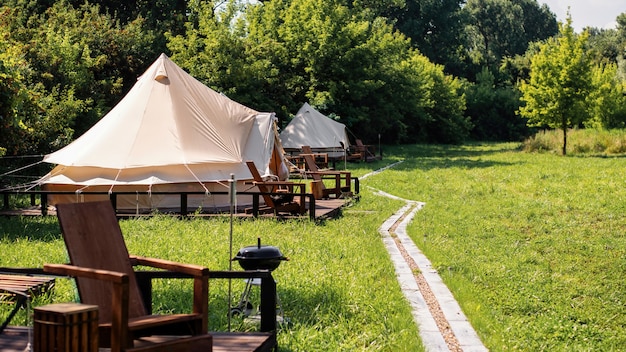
{"x":17,"y":289}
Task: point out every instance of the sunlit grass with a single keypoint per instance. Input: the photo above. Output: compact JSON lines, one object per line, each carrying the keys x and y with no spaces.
{"x":338,"y":290}
{"x":532,"y":245}
{"x":579,"y":142}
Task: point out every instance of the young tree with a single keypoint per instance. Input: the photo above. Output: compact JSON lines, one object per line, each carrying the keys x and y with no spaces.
{"x":607,"y":99}
{"x":560,"y":81}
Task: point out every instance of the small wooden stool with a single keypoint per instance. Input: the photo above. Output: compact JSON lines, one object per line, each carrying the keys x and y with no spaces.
{"x":66,"y":327}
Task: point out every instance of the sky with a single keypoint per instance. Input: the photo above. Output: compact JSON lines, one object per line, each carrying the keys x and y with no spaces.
{"x":587,"y":13}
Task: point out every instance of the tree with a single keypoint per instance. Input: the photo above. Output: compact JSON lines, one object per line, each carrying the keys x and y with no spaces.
{"x":492,"y":107}
{"x":607,"y":99}
{"x":503,"y":28}
{"x":336,"y":55}
{"x":538,"y":21}
{"x":498,"y":30}
{"x":560,"y":81}
{"x":435,"y":28}
{"x":67,"y":67}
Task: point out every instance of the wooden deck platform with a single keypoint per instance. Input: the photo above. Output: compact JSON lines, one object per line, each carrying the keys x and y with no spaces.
{"x":324,"y":209}
{"x":15,"y":339}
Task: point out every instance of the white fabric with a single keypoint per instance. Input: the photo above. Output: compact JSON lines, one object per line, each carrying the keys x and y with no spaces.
{"x":312,"y":128}
{"x":169,"y":128}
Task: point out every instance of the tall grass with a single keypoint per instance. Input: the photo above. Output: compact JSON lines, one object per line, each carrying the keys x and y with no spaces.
{"x":532,"y":245}
{"x":580,"y":142}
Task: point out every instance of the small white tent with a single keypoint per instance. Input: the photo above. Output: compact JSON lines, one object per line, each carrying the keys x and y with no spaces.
{"x":311,"y":127}
{"x":169,"y":133}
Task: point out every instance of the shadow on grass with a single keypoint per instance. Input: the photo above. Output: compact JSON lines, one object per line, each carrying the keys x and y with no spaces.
{"x":451,"y":151}
{"x":35,"y":228}
{"x":428,"y":157}
{"x":447,"y":163}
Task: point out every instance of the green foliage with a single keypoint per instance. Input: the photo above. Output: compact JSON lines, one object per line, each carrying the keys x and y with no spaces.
{"x":69,"y":75}
{"x":492,"y":107}
{"x":447,"y":123}
{"x":498,"y":28}
{"x":607,"y":99}
{"x":337,"y":57}
{"x":560,"y":81}
{"x":435,"y":28}
{"x":65,"y":63}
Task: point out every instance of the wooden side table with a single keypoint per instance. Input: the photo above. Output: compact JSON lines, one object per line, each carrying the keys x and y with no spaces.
{"x":66,"y":327}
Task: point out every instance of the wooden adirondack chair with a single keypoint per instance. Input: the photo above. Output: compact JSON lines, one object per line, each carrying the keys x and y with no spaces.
{"x":321,"y":159}
{"x":318,"y":175}
{"x":104,"y":275}
{"x":278,"y":204}
{"x":365,"y":151}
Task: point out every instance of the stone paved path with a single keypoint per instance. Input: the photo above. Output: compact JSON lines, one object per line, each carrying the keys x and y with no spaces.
{"x":440,"y":320}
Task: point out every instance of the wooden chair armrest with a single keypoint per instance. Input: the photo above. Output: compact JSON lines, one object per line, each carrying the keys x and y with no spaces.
{"x":329,"y":172}
{"x":200,"y":276}
{"x":275,"y":183}
{"x":289,"y":184}
{"x":72,"y":270}
{"x":190,"y":269}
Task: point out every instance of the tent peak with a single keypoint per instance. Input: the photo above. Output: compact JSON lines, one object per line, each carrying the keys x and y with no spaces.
{"x":160,"y":72}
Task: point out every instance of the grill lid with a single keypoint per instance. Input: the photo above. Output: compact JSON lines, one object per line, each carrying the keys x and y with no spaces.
{"x":259,"y":257}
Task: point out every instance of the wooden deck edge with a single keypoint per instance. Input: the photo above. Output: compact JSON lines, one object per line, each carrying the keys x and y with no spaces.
{"x":325,"y":209}
{"x":15,"y":339}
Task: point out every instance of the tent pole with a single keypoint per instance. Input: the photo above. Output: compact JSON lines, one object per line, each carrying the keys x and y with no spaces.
{"x":231,"y":193}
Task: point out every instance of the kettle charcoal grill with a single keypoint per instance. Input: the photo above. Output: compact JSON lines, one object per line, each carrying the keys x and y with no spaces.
{"x":256,"y":257}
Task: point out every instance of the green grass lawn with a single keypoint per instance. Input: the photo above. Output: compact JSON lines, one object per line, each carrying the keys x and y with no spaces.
{"x":532,"y":246}
{"x":338,"y":290}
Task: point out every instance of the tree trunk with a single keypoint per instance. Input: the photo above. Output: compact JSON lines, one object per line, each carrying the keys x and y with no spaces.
{"x":564,"y":140}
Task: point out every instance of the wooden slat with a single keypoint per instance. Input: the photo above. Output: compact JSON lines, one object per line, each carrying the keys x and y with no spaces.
{"x":243,"y":342}
{"x":27,"y":285}
{"x":15,"y":339}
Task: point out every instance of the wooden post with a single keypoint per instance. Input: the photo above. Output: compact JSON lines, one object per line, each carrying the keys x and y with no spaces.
{"x":183,"y":204}
{"x":255,"y":205}
{"x":268,"y":304}
{"x":44,"y":203}
{"x":311,"y":207}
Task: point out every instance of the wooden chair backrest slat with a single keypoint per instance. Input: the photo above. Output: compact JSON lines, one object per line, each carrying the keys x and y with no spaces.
{"x":256,"y":176}
{"x":93,"y":239}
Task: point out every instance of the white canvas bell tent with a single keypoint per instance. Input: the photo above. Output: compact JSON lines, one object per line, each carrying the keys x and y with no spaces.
{"x":169,"y":133}
{"x":311,"y":127}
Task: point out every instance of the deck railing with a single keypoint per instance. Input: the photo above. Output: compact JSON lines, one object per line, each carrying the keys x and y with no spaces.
{"x":183,"y":205}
